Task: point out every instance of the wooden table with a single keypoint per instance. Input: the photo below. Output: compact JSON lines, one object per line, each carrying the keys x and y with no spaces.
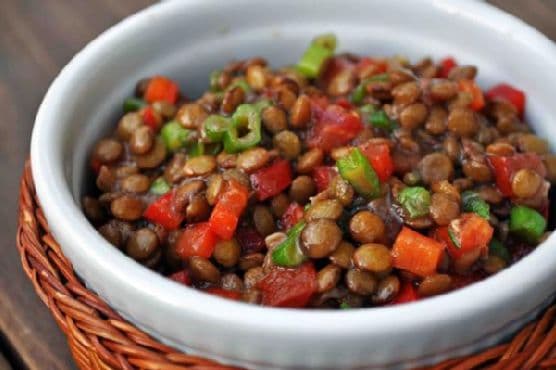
{"x":38,"y":37}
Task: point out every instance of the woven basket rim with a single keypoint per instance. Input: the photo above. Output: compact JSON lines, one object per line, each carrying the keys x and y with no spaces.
{"x":99,"y":338}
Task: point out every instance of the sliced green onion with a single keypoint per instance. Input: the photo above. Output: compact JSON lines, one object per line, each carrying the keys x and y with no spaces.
{"x":159,"y":186}
{"x":245,"y":118}
{"x":527,"y":223}
{"x":360,"y":91}
{"x":327,"y":41}
{"x":472,"y":202}
{"x":133,"y":104}
{"x":380,"y":119}
{"x":315,"y":56}
{"x":288,"y":253}
{"x":356,"y":169}
{"x":174,"y":135}
{"x":496,"y":248}
{"x":415,"y":200}
{"x":215,"y":126}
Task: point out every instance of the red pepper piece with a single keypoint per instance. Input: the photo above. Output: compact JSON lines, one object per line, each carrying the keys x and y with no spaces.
{"x":196,"y":240}
{"x":322,"y":175}
{"x":407,"y":294}
{"x":289,"y":287}
{"x":294,"y":213}
{"x":446,"y":66}
{"x":181,"y":277}
{"x":163,"y":212}
{"x":161,"y":88}
{"x":223,"y":293}
{"x":380,"y":159}
{"x":510,"y":94}
{"x":505,"y":167}
{"x":335,"y":127}
{"x":477,"y":98}
{"x":250,"y":240}
{"x":272,"y":180}
{"x":473,"y":232}
{"x":229,"y":207}
{"x":151,"y":118}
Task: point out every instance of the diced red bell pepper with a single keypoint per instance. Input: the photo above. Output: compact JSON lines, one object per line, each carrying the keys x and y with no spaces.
{"x":181,"y":277}
{"x":505,"y":167}
{"x":407,"y":294}
{"x":335,"y":127}
{"x":510,"y":94}
{"x":477,"y":98}
{"x":446,"y":66}
{"x":151,"y":118}
{"x":230,"y":294}
{"x":161,"y":88}
{"x":379,"y":66}
{"x":380,"y":159}
{"x":272,"y":180}
{"x":163,"y":212}
{"x":470,"y":232}
{"x":250,"y":240}
{"x":416,"y":253}
{"x":294,"y":213}
{"x":289,"y":287}
{"x":322,"y":175}
{"x":229,"y":207}
{"x":196,"y":240}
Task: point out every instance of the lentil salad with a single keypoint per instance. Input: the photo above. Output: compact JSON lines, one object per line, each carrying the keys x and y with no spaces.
{"x":341,"y":182}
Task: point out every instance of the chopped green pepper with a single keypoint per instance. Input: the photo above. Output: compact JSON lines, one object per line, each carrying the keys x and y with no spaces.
{"x":287,"y":253}
{"x":315,"y":56}
{"x":472,"y":202}
{"x":174,"y":135}
{"x":496,"y":248}
{"x":159,"y":186}
{"x":214,"y":80}
{"x":245,"y":118}
{"x":215,"y":126}
{"x":133,"y":104}
{"x":415,"y":200}
{"x":356,"y":169}
{"x":527,"y":223}
{"x":380,"y":119}
{"x":360,"y":91}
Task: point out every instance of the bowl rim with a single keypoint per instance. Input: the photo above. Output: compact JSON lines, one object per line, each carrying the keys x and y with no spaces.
{"x":60,"y":208}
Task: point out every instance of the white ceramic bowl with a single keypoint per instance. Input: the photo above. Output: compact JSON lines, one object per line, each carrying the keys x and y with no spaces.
{"x":188,"y":39}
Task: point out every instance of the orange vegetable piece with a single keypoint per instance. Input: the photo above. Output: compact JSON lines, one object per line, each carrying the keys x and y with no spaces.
{"x":478,"y":100}
{"x":416,"y":253}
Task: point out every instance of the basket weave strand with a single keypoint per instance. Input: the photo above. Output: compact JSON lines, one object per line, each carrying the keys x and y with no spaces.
{"x":99,"y":338}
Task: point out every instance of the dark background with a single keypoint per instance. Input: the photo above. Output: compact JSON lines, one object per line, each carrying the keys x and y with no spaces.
{"x":37,"y":38}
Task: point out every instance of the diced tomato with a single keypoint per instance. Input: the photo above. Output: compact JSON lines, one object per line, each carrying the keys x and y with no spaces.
{"x":416,"y":253}
{"x":95,"y":165}
{"x":446,"y":66}
{"x":510,"y":94}
{"x":335,"y":127}
{"x":163,"y":212}
{"x":181,"y":277}
{"x":161,"y":88}
{"x":380,"y":158}
{"x":505,"y":167}
{"x":272,"y":180}
{"x":378,"y":66}
{"x":322,"y":175}
{"x":344,"y":103}
{"x":196,"y":240}
{"x":151,"y":118}
{"x":230,"y":294}
{"x":250,"y":240}
{"x":407,"y":294}
{"x":477,"y":98}
{"x":229,"y":207}
{"x":294,"y":213}
{"x":289,"y":287}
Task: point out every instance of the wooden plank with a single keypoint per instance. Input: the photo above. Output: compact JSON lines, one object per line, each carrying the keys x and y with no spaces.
{"x":37,"y":37}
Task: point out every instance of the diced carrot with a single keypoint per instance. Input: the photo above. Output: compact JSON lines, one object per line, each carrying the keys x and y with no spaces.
{"x":161,"y":88}
{"x":416,"y":253}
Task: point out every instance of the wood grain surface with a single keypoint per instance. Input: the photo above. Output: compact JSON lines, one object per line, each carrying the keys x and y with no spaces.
{"x":37,"y":38}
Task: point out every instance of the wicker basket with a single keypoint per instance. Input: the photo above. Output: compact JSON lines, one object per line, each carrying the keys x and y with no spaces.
{"x":99,"y":338}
